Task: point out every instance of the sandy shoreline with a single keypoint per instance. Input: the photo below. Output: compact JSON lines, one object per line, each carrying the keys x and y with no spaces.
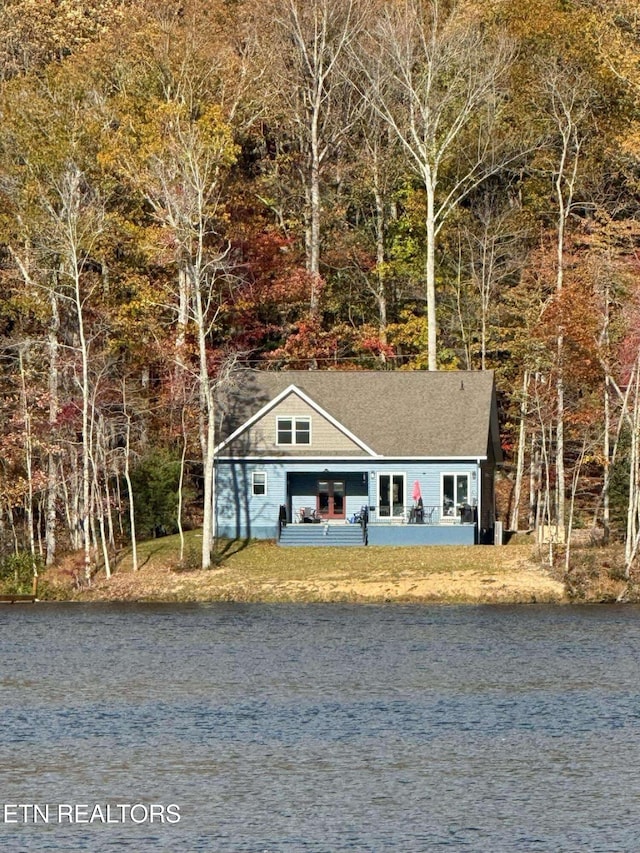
{"x":264,"y":572}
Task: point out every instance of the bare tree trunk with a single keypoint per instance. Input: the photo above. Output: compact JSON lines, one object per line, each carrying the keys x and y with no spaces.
{"x":78,"y":228}
{"x":314,"y":213}
{"x":463,"y":331}
{"x":28,"y":452}
{"x":606,"y":444}
{"x":14,"y":532}
{"x":127,"y":477}
{"x":184,"y":299}
{"x":567,"y":112}
{"x":86,"y":437}
{"x":606,"y":451}
{"x":547,"y":515}
{"x":430,"y":180}
{"x":381,"y":293}
{"x":560,"y":473}
{"x":534,"y":480}
{"x":117,"y":498}
{"x":40,"y":525}
{"x":574,"y":489}
{"x":207,"y":430}
{"x":105,"y":495}
{"x":522,"y":438}
{"x":52,"y":461}
{"x":633,"y":507}
{"x":98,"y":504}
{"x":183,"y":457}
{"x":67,"y":504}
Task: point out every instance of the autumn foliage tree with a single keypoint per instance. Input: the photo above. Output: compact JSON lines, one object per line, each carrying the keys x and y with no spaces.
{"x":187,"y":188}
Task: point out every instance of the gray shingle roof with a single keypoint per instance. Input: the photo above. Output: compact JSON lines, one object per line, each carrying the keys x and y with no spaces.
{"x":396,"y":413}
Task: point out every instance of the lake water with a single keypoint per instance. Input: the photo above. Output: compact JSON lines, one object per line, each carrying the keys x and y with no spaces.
{"x":319,"y":728}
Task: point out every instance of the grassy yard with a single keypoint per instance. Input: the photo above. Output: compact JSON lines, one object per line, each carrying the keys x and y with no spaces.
{"x":264,"y":571}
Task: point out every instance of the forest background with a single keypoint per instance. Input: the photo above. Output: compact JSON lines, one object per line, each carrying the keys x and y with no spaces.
{"x":188,"y":189}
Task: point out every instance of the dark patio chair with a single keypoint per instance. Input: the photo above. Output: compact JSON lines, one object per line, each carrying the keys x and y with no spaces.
{"x":417,"y":513}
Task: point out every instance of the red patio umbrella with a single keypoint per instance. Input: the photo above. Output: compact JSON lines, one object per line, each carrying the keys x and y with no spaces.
{"x":417,"y":513}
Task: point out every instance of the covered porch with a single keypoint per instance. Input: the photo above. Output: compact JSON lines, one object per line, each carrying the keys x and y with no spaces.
{"x":321,"y":506}
{"x":325,"y":496}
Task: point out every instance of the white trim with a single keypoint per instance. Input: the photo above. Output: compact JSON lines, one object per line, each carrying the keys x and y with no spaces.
{"x":294,"y":421}
{"x":328,"y":459}
{"x":292,"y":389}
{"x":254,"y":494}
{"x":252,"y":420}
{"x":391,"y":474}
{"x":455,"y":475}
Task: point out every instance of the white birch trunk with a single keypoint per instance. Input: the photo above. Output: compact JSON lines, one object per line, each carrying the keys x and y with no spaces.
{"x":522,"y":438}
{"x":52,"y":461}
{"x":28,"y":452}
{"x":381,"y":295}
{"x":633,"y":508}
{"x":207,"y":430}
{"x":127,"y":477}
{"x":430,"y":223}
{"x":183,"y":457}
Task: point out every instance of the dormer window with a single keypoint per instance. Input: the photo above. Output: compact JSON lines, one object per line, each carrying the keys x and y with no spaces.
{"x":294,"y":430}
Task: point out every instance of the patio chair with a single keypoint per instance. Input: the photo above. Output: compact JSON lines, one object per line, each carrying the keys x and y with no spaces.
{"x":417,"y":513}
{"x":308,"y":515}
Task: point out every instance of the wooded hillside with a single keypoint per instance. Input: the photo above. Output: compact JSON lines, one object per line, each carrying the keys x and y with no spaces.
{"x":189,"y":188}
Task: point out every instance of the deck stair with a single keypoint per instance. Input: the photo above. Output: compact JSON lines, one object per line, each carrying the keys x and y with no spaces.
{"x":334,"y":535}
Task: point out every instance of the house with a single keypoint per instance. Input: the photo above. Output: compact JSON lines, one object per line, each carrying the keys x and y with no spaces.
{"x":332,"y":457}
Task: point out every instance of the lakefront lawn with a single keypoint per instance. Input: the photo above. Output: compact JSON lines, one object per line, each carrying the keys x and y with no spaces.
{"x":265,"y":572}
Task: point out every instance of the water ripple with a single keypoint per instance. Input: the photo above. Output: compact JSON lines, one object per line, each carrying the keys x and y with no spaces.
{"x":325,"y":728}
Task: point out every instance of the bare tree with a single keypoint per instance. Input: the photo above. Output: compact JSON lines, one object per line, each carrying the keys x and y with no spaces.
{"x":177,"y":162}
{"x":494,"y":245}
{"x":522,"y":441}
{"x":567,"y":107}
{"x":375,"y":149}
{"x":76,"y":217}
{"x":307,"y":42}
{"x":431,"y":71}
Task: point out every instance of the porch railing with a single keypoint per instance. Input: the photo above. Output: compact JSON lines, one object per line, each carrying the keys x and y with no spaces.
{"x":282,"y":519}
{"x":435,"y":514}
{"x":410,"y":514}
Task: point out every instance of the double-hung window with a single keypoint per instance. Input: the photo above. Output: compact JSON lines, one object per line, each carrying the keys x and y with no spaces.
{"x":293,"y":430}
{"x":259,"y":483}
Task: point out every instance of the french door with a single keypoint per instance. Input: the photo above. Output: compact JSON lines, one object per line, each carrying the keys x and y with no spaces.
{"x":331,"y":503}
{"x":455,"y":494}
{"x":391,"y":495}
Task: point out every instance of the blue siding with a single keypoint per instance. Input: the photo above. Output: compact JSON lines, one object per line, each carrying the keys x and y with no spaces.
{"x":429,"y":475}
{"x":242,"y":515}
{"x":421,"y":534}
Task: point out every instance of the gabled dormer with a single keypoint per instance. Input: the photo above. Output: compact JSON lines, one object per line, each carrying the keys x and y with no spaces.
{"x":292,"y":424}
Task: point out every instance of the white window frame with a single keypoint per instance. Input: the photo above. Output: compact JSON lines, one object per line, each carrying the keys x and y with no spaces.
{"x":262,"y":474}
{"x":455,"y":475}
{"x":295,"y":419}
{"x":391,"y":516}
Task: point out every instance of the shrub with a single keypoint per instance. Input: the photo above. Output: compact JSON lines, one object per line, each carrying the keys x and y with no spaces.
{"x":155,"y":483}
{"x":16,"y":572}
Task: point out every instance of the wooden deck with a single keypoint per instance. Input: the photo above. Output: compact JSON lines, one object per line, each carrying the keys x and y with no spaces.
{"x":13,"y":599}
